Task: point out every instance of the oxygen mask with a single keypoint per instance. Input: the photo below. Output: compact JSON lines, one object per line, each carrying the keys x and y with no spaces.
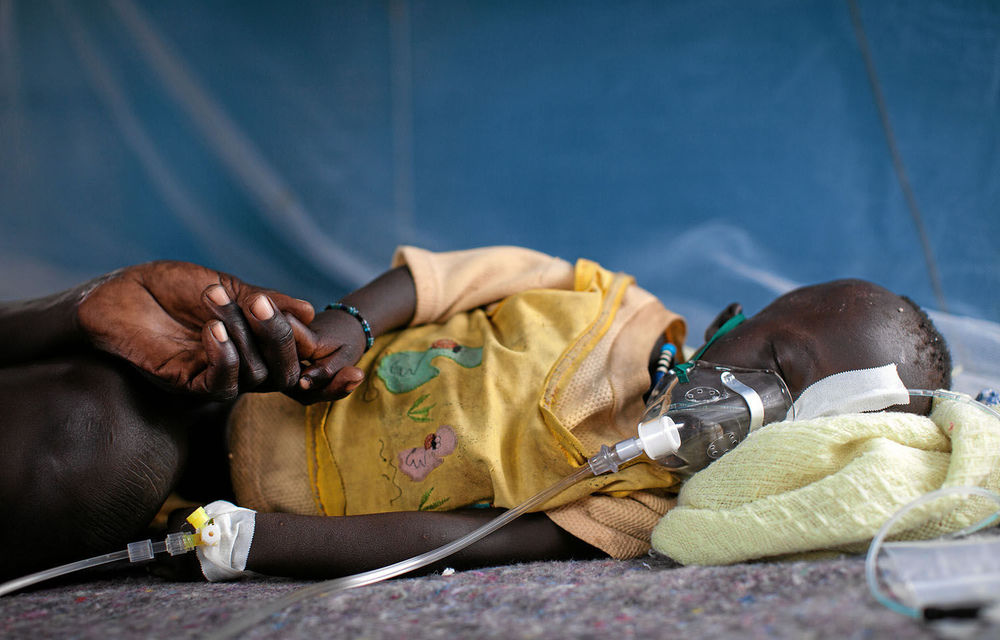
{"x":700,"y":411}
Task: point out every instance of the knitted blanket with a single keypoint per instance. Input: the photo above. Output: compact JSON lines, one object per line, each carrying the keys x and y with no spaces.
{"x":828,"y":484}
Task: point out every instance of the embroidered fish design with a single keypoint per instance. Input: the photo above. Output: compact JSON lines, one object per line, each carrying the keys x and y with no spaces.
{"x":404,"y":371}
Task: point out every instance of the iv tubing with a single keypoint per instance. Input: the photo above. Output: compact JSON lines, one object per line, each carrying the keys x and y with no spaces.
{"x":957,"y":397}
{"x":871,"y":559}
{"x":136,"y":552}
{"x":55,"y":572}
{"x":405,"y":566}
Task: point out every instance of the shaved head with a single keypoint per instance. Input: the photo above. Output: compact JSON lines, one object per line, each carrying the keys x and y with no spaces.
{"x":819,"y":330}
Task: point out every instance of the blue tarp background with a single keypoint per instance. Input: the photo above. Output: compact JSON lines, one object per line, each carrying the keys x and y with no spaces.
{"x":718,"y":150}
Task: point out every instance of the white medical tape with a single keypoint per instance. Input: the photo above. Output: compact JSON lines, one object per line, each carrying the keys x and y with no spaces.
{"x":227,"y":559}
{"x":851,"y":392}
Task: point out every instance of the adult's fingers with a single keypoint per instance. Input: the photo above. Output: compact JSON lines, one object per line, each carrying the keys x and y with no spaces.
{"x":220,"y":379}
{"x":307,"y":346}
{"x":275,"y":342}
{"x":252,"y":368}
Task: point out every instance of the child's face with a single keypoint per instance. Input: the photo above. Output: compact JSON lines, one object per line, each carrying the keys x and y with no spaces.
{"x":814,"y":332}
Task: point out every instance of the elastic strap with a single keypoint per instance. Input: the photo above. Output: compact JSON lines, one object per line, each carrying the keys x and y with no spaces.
{"x":682,"y":369}
{"x":367,"y":328}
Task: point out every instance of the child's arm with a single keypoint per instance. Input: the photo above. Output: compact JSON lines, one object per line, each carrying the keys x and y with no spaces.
{"x":322,"y":546}
{"x":424,"y":287}
{"x":335,"y":341}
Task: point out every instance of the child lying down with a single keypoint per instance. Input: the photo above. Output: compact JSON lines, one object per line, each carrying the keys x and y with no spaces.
{"x":452,"y":386}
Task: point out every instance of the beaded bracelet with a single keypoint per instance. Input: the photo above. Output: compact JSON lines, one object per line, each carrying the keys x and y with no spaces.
{"x":367,"y":328}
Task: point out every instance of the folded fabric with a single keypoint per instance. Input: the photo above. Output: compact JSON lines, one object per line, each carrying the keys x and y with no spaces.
{"x":830,"y":483}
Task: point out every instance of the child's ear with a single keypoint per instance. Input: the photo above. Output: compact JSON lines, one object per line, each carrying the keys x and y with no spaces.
{"x":722,"y":318}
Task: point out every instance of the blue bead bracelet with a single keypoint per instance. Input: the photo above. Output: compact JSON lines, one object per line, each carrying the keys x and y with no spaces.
{"x":367,"y":328}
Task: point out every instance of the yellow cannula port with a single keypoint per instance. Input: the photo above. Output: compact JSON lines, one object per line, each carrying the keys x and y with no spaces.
{"x":198,"y":518}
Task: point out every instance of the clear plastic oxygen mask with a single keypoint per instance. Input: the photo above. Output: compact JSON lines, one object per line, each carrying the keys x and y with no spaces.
{"x":713,"y":411}
{"x":698,"y":412}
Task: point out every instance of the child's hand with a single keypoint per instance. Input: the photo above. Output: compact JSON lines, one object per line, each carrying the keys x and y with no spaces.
{"x":330,"y":348}
{"x":335,"y":341}
{"x":195,"y":329}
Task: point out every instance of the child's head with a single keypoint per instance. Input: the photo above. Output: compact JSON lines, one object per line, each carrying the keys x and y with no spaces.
{"x":817,"y":331}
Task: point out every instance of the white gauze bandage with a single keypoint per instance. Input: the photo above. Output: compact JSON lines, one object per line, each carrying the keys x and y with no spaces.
{"x":227,"y":559}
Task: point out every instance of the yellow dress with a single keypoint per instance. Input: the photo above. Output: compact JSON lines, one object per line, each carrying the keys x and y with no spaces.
{"x":486,"y":405}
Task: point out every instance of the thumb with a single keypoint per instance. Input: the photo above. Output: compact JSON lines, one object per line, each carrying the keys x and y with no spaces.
{"x":300,"y":309}
{"x":306,"y":341}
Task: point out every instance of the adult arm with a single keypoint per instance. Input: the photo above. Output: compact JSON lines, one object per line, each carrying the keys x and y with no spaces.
{"x":40,"y":328}
{"x":185,"y":326}
{"x":321,"y":546}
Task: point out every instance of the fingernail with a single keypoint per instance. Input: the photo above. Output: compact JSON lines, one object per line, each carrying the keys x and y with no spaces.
{"x":218,"y":295}
{"x":261,"y":308}
{"x":305,"y":383}
{"x":219,"y":331}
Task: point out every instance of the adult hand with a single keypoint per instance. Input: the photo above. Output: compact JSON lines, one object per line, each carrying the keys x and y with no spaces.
{"x":195,"y":329}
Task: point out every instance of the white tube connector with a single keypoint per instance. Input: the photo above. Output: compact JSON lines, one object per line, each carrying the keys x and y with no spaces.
{"x":660,"y":437}
{"x":609,"y":460}
{"x":657,"y":438}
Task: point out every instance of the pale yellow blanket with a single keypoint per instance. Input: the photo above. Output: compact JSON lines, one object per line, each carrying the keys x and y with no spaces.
{"x":830,"y":483}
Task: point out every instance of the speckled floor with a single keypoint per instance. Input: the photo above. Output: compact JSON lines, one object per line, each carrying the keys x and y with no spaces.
{"x":651,"y":598}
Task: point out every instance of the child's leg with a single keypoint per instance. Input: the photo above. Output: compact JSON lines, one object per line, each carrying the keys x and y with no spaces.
{"x":88,"y":452}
